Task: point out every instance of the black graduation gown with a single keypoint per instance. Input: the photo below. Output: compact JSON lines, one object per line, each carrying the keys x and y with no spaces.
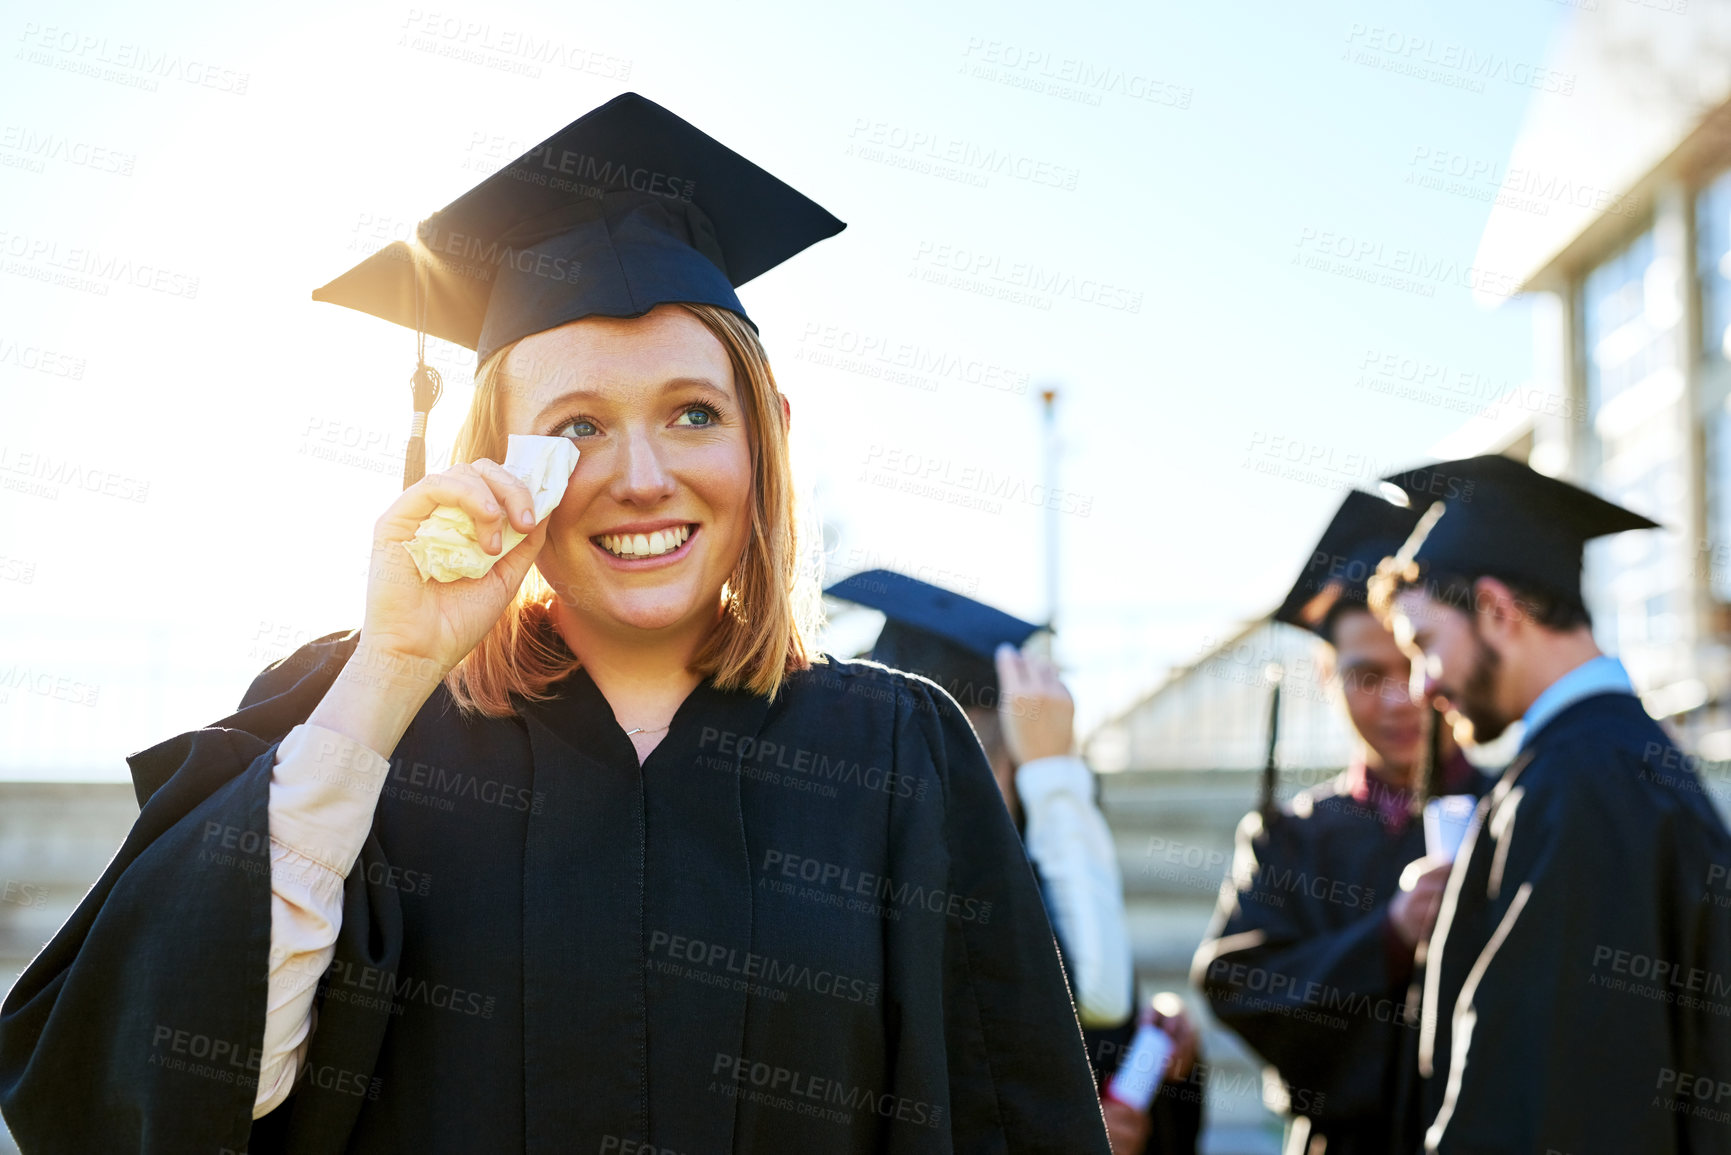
{"x":1298,"y":962}
{"x":799,"y":926}
{"x":1580,"y":978}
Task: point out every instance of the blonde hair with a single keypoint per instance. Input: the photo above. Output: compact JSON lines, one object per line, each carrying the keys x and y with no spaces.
{"x":771,"y":599}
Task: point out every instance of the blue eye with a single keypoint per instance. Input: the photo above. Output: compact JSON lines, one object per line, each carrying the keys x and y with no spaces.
{"x":578,"y":426}
{"x":701,"y":415}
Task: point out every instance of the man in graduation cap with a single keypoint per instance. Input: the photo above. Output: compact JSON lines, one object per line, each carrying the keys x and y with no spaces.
{"x":1577,"y":993}
{"x":1312,"y":948}
{"x":1026,"y":721}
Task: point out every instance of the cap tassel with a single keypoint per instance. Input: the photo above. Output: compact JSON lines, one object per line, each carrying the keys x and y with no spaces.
{"x":1431,"y":776}
{"x":426,"y":385}
{"x":1270,"y":807}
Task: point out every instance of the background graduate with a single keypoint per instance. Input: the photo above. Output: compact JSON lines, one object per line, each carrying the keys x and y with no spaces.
{"x":1592,"y":860}
{"x":1311,"y":950}
{"x":508,"y":869}
{"x":1026,"y":721}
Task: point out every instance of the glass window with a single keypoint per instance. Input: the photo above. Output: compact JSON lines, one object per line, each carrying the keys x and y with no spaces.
{"x":1618,"y":329}
{"x":1717,"y":558}
{"x":1629,"y":318}
{"x":1713,"y":272}
{"x":1713,"y":266}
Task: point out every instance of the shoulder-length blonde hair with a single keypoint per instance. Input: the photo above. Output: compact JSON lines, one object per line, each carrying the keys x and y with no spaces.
{"x":771,"y":599}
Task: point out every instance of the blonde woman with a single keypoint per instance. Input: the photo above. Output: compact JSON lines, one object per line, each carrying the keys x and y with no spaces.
{"x":592,"y":853}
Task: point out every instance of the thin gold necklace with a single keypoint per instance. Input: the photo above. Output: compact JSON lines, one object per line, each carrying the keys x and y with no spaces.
{"x":646,"y":730}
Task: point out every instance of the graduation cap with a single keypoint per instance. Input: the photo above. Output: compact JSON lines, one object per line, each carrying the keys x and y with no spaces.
{"x":936,"y":632}
{"x":1365,"y":530}
{"x":1502,"y":518}
{"x":625,"y":208}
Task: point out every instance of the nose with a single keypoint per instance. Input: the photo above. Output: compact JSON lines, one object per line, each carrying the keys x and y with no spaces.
{"x":643,"y":476}
{"x":1397,"y":694}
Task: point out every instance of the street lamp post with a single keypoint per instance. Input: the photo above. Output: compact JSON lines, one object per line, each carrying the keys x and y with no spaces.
{"x":1049,"y":398}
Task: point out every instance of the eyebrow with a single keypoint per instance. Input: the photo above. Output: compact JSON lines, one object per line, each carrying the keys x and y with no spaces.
{"x":671,"y":385}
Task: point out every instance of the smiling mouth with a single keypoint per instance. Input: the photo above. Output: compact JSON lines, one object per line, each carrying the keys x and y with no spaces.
{"x":639,"y":545}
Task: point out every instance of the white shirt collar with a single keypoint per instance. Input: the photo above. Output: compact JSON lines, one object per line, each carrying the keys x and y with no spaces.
{"x":1601,"y":675}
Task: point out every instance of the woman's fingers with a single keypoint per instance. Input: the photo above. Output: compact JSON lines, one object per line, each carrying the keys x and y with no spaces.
{"x":466,"y":487}
{"x":514,"y":566}
{"x":504,"y":498}
{"x":1012,"y":674}
{"x":460,"y":486}
{"x":510,"y":493}
{"x":1043,"y":676}
{"x":1032,"y":675}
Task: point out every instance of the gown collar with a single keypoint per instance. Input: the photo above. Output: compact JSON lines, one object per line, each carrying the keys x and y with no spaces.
{"x":1601,"y":675}
{"x":1393,"y":804}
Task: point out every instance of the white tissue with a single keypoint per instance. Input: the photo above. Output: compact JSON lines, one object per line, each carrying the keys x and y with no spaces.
{"x":445,"y":546}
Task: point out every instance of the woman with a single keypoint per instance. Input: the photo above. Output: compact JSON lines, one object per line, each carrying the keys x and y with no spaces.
{"x":587,"y":854}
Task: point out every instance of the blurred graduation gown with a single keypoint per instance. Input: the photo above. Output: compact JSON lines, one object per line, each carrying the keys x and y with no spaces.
{"x":1300,"y":959}
{"x":526,"y":998}
{"x":952,"y":639}
{"x":1591,"y":861}
{"x":1581,"y":963}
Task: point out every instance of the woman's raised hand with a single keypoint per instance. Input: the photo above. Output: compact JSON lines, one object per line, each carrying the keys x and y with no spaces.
{"x":429,"y":626}
{"x":416,"y":631}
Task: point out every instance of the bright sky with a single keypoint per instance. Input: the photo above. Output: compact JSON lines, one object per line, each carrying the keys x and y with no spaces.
{"x":1146,"y":182}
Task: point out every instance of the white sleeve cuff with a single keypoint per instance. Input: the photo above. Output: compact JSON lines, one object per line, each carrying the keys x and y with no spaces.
{"x":1038,"y":780}
{"x":323,"y":791}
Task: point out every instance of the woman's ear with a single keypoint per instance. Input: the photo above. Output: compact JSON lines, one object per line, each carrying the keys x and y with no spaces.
{"x":786,"y":412}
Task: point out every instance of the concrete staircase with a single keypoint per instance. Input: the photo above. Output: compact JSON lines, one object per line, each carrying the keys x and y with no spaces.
{"x":1174,"y":833}
{"x":55,"y":840}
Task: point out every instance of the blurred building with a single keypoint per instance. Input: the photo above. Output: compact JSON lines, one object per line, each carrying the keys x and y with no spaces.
{"x":1614,"y":215}
{"x":1631,"y":271}
{"x":1214,"y":714}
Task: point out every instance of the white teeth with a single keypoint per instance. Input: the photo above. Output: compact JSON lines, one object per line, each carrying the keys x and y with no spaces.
{"x":662,"y":541}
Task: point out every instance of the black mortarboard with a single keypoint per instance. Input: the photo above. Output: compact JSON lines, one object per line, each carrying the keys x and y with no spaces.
{"x":1501,"y":518}
{"x":625,"y":208}
{"x":1365,"y":530}
{"x":936,"y":632}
